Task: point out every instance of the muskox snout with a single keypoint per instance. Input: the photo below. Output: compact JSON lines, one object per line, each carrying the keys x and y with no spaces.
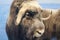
{"x":38,"y":33}
{"x":40,"y":28}
{"x":34,"y":27}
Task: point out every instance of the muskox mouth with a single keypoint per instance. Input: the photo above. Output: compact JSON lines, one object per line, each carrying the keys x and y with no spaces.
{"x":38,"y":33}
{"x":33,"y":36}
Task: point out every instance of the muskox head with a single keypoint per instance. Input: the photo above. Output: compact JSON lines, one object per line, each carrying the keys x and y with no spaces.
{"x":27,"y":24}
{"x":30,"y":19}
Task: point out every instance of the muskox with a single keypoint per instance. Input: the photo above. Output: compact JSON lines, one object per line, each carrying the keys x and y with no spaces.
{"x":52,"y":25}
{"x":25,"y":21}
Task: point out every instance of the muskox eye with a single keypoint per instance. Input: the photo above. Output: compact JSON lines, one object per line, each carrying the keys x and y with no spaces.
{"x":31,"y":13}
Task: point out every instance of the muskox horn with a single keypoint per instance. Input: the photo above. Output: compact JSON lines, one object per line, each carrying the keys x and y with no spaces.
{"x":50,"y":13}
{"x":20,"y":14}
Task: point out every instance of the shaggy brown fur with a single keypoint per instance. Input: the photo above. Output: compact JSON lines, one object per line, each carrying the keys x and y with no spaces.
{"x":52,"y":25}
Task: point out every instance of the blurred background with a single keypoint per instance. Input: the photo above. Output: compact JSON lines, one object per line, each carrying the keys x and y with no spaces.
{"x":5,"y":10}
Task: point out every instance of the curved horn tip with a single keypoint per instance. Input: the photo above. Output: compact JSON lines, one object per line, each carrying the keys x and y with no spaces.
{"x":48,"y":16}
{"x":17,"y":23}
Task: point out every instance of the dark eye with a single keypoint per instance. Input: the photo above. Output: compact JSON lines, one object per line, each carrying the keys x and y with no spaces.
{"x":31,"y":13}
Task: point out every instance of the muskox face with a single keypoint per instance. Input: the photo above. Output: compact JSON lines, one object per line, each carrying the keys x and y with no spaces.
{"x":32,"y":26}
{"x":30,"y":19}
{"x":27,"y":23}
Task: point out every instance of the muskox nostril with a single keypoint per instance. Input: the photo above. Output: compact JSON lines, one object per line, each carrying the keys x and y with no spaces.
{"x":38,"y":32}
